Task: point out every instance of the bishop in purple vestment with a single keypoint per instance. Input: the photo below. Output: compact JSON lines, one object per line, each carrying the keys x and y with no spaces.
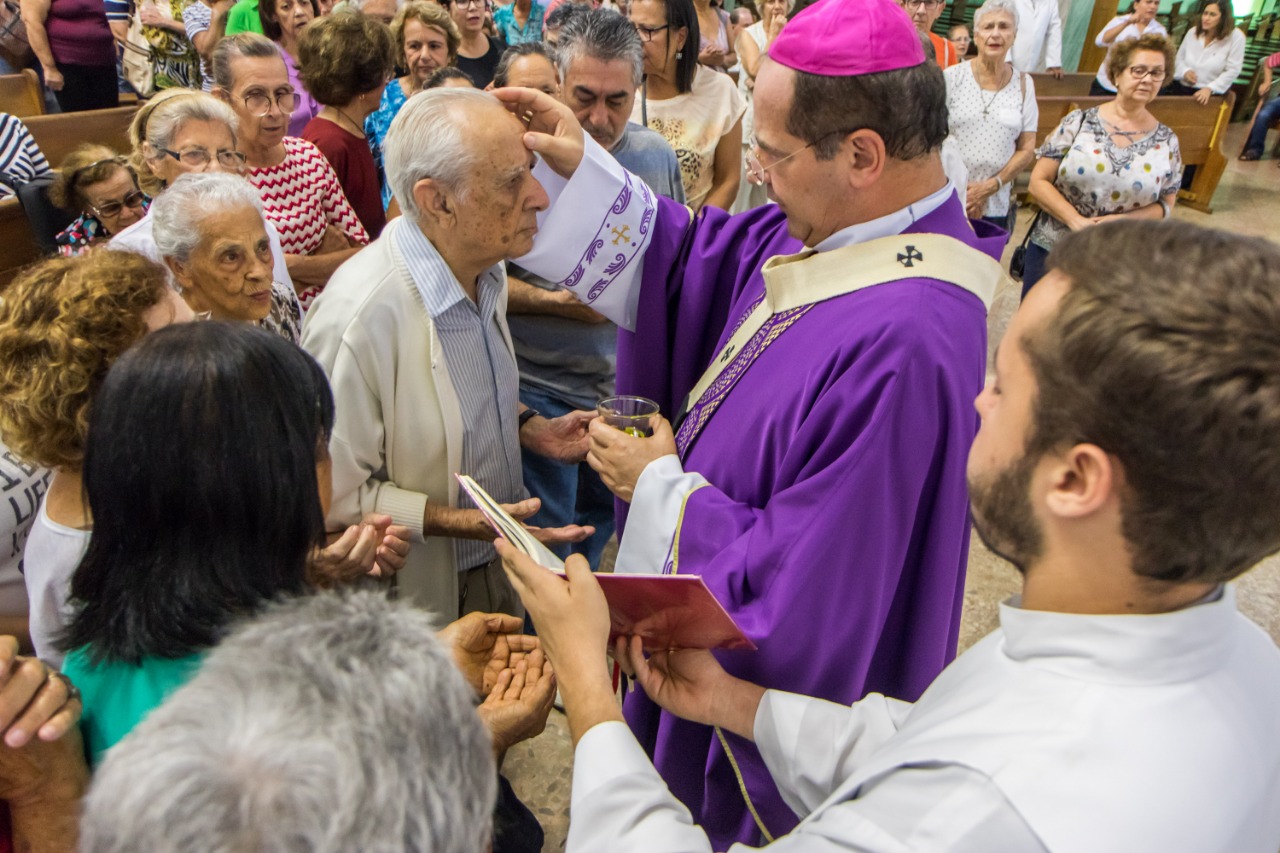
{"x":823,"y":498}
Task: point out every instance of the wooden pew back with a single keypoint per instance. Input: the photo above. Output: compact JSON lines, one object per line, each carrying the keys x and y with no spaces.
{"x":1071,"y":84}
{"x":20,"y":94}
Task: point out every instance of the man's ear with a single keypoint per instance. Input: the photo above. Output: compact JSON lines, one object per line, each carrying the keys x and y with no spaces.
{"x":435,"y":202}
{"x":866,"y":149}
{"x":1082,"y":481}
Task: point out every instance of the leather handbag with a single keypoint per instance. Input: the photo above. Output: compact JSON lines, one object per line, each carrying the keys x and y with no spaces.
{"x":13,"y":35}
{"x":1018,"y":260}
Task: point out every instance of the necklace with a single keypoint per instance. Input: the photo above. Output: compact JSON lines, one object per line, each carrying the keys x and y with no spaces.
{"x":987,"y":104}
{"x":359,"y":129}
{"x":1115,"y":130}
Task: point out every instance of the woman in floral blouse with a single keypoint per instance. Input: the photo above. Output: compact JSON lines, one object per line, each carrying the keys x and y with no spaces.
{"x":100,"y":184}
{"x":1112,"y":160}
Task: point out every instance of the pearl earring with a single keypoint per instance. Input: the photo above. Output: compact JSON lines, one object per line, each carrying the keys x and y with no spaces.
{"x":679,"y":54}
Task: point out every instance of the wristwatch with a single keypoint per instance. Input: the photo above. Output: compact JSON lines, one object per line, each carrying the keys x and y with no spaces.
{"x":526,"y":416}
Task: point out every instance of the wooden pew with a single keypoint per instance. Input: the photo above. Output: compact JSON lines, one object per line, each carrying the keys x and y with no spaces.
{"x":20,"y":94}
{"x":1200,"y":130}
{"x":1071,"y":84}
{"x":57,"y":135}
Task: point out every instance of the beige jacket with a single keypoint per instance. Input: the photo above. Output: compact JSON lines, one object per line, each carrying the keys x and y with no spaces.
{"x":397,"y":438}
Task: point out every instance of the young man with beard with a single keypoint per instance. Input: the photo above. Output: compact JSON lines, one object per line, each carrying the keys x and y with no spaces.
{"x":1128,"y":464}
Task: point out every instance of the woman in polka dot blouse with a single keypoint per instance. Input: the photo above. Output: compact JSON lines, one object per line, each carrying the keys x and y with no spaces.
{"x":1111,"y":160}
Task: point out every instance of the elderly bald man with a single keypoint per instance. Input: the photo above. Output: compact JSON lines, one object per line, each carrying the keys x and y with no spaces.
{"x":412,"y":333}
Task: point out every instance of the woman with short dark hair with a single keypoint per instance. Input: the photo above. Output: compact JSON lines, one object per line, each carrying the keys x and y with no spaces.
{"x":206,"y":470}
{"x":345,"y":61}
{"x":697,"y":110}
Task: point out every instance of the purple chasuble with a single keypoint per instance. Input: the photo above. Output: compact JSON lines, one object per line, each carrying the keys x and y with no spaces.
{"x":835,"y":527}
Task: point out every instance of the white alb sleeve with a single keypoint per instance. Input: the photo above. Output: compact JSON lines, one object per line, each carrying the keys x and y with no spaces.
{"x":657,"y":505}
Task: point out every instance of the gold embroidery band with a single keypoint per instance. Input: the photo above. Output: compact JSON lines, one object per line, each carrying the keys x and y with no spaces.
{"x":793,"y":281}
{"x":742,"y":786}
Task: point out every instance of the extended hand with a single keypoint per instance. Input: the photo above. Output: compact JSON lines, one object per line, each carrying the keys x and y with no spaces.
{"x":34,"y":699}
{"x":573,"y":627}
{"x":517,"y":707}
{"x":620,"y":458}
{"x":373,"y":547}
{"x":484,"y":644}
{"x":554,"y":132}
{"x":563,"y":439}
{"x":684,"y":681}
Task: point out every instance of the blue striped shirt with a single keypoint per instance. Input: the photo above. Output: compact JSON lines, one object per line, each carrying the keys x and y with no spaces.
{"x":482,"y":371}
{"x":20,"y":157}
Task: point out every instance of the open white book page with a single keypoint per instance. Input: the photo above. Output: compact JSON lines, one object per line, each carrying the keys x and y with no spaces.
{"x":507,"y":527}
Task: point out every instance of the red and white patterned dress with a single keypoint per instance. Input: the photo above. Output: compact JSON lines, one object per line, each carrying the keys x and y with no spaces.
{"x":302,"y":198}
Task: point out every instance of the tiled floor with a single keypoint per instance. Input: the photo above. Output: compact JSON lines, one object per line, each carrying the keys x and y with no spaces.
{"x":1247,"y":202}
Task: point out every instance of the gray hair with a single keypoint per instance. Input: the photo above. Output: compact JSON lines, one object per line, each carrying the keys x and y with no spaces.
{"x":331,"y":723}
{"x":157,"y":123}
{"x":992,"y":6}
{"x":178,"y":214}
{"x":602,"y":35}
{"x":428,"y":139}
{"x":239,"y":46}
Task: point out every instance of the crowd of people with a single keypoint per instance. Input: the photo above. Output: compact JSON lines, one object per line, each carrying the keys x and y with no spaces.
{"x":359,"y":249}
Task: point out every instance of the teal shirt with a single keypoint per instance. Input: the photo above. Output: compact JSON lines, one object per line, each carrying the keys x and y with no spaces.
{"x":243,"y":18}
{"x":118,"y":695}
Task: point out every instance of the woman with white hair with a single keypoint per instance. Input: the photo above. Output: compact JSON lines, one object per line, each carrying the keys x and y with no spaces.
{"x":182,"y":131}
{"x":992,"y":114}
{"x":210,"y":231}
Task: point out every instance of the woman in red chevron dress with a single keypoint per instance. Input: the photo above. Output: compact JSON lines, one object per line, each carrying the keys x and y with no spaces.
{"x":300,"y":191}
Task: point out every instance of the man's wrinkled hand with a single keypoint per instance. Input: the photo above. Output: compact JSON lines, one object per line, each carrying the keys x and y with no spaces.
{"x":516,"y":708}
{"x":619,"y":458}
{"x":554,"y":132}
{"x":484,"y":644}
{"x":563,"y":439}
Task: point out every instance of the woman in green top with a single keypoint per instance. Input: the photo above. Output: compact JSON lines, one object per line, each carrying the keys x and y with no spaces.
{"x":207,"y":473}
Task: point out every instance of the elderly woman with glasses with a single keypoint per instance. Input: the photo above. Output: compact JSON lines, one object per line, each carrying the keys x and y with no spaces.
{"x":301,"y":193}
{"x":992,"y":115}
{"x":210,"y":232}
{"x":179,"y":132}
{"x":100,"y":184}
{"x":1107,"y":161}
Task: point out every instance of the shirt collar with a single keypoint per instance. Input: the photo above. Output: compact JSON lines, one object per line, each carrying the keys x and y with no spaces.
{"x":436,"y":282}
{"x":1156,"y":648}
{"x":886,"y":226}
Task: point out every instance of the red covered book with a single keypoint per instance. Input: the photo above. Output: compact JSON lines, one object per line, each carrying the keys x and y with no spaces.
{"x":667,"y":611}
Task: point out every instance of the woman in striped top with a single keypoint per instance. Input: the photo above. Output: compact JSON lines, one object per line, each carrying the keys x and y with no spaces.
{"x":20,"y":159}
{"x":301,"y":194}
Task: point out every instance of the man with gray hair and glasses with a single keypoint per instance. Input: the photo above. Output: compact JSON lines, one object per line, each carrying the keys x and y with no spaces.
{"x":331,"y":723}
{"x":567,"y":352}
{"x":412,"y":334}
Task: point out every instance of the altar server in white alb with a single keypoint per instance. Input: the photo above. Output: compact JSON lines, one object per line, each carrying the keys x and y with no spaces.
{"x":1039,"y":43}
{"x":1129,"y":465}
